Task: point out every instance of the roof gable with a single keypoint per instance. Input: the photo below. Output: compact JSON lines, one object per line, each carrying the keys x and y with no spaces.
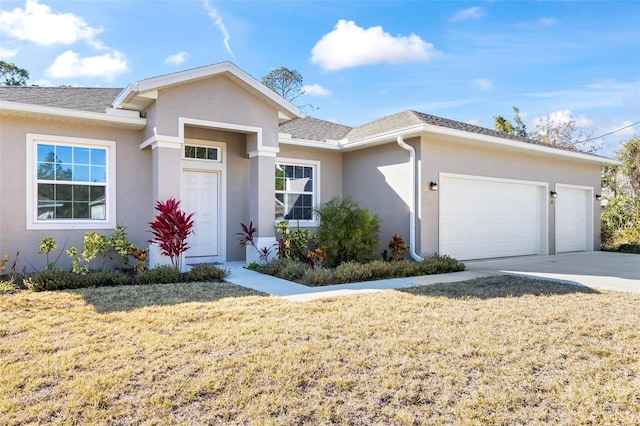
{"x":139,"y":95}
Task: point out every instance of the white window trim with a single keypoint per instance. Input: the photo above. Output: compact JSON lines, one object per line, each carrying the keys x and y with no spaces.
{"x":316,"y":188}
{"x":32,"y":183}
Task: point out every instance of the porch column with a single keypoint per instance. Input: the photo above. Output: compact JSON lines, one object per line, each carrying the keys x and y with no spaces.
{"x":262,"y":211}
{"x":166,"y":166}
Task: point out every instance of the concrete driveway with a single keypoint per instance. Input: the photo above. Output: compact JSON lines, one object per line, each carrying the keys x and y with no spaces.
{"x":597,"y":269}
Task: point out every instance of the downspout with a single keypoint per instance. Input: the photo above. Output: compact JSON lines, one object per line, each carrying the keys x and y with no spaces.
{"x":413,"y":205}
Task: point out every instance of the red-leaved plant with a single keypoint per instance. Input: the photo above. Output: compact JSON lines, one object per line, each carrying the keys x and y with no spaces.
{"x":171,"y":229}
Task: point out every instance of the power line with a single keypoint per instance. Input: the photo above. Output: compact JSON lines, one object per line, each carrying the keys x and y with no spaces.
{"x":610,"y":133}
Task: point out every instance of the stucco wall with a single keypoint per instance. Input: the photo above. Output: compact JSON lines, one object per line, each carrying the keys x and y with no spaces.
{"x":215,"y":99}
{"x":133,"y":180}
{"x":380,"y":178}
{"x":446,"y":156}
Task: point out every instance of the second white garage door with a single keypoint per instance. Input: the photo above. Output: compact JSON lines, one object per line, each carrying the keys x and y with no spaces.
{"x":484,"y":218}
{"x":574,"y":210}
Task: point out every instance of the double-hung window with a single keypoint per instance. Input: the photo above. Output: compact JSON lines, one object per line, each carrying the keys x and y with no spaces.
{"x":71,"y":183}
{"x":296,"y":189}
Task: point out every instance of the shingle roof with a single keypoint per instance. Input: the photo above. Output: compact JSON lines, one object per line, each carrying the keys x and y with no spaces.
{"x":94,"y":99}
{"x":314,"y":129}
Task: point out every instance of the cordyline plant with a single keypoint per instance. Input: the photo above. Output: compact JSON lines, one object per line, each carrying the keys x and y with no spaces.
{"x":171,"y":229}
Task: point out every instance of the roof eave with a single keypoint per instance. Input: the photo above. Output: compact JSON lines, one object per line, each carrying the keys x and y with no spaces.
{"x":469,"y":137}
{"x":47,"y":112}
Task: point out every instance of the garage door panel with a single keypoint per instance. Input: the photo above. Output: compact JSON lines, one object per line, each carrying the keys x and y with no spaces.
{"x":483,"y":219}
{"x":571,"y":219}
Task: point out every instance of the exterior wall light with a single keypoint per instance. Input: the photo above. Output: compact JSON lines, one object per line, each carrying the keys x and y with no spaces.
{"x":553,"y":194}
{"x":433,"y":186}
{"x":598,"y":197}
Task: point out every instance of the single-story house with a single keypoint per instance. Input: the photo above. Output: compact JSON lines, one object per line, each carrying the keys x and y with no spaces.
{"x":232,"y":150}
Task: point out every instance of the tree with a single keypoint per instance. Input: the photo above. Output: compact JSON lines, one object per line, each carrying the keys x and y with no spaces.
{"x":560,"y":129}
{"x":625,"y":178}
{"x":506,"y":126}
{"x":285,"y":82}
{"x":11,"y":75}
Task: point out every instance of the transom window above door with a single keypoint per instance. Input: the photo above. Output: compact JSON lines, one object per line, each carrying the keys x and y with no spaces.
{"x":196,"y":152}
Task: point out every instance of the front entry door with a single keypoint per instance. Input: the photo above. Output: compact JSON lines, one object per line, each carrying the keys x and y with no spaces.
{"x":201,"y":195}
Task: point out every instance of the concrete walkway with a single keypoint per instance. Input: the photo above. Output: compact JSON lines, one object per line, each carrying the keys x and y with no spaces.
{"x":602,"y":270}
{"x":596,"y":269}
{"x":301,"y":293}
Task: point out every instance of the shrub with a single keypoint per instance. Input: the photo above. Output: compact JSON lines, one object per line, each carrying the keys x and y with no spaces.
{"x":94,"y":244}
{"x":206,"y":272}
{"x":437,"y":264}
{"x":54,"y":279}
{"x":107,"y":277}
{"x":347,"y":232}
{"x":349,"y":272}
{"x":47,"y":246}
{"x":160,"y":275}
{"x":170,"y":230}
{"x":397,"y":247}
{"x":7,"y":286}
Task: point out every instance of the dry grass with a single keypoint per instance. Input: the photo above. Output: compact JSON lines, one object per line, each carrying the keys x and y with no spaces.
{"x":493,"y":351}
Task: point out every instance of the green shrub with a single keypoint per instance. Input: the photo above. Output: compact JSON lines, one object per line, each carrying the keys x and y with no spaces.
{"x":437,"y":264}
{"x":7,"y":286}
{"x":160,"y":275}
{"x":206,"y":272}
{"x":346,"y":231}
{"x":107,"y":277}
{"x":54,"y":279}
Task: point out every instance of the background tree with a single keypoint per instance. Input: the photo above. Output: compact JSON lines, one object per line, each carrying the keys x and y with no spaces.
{"x":285,"y":82}
{"x":516,"y":128}
{"x":561,"y":131}
{"x":12,"y":75}
{"x":621,"y":214}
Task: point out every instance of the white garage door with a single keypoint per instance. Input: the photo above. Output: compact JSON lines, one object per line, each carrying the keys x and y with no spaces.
{"x":487,"y":218}
{"x":572,"y":219}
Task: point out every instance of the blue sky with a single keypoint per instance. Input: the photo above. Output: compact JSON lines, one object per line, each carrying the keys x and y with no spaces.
{"x":468,"y":61}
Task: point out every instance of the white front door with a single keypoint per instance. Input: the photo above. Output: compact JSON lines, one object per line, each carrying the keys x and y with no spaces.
{"x":201,"y":195}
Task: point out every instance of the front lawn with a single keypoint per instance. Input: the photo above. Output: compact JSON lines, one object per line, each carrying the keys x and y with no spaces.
{"x":500,"y":350}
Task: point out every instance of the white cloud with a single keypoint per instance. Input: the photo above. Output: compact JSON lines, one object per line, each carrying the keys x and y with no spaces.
{"x":6,"y":53}
{"x":474,"y":122}
{"x":42,"y":83}
{"x":475,"y":12}
{"x":38,"y":24}
{"x":70,"y":64}
{"x":563,"y":117}
{"x":349,"y":45}
{"x":177,"y":59}
{"x":217,"y":20}
{"x":483,"y":84}
{"x":315,"y":90}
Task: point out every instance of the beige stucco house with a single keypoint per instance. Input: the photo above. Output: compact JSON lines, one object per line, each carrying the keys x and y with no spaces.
{"x":79,"y":159}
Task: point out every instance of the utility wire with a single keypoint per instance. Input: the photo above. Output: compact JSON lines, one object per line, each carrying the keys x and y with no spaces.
{"x":610,"y":133}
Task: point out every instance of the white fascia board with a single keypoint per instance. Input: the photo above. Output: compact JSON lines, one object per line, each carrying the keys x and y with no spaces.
{"x":159,"y":82}
{"x":522,"y":146}
{"x":307,"y":143}
{"x":418,"y":129}
{"x":71,"y":114}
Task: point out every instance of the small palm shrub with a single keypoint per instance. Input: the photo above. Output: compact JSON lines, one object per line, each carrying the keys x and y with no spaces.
{"x":347,"y":232}
{"x":170,"y":230}
{"x":206,"y":272}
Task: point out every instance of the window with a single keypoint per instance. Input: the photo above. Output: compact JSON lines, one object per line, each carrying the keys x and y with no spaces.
{"x":296,"y":190}
{"x":201,"y":152}
{"x":70,"y":182}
